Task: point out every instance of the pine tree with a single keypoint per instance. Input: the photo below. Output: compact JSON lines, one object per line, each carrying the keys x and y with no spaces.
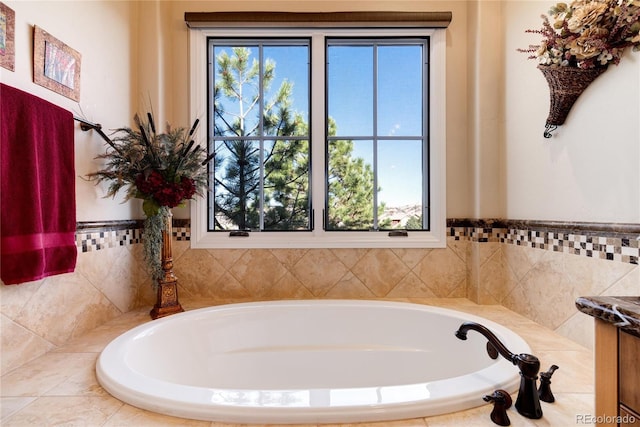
{"x":286,"y":161}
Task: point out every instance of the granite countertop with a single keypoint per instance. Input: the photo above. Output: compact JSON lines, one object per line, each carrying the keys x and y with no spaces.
{"x":623,"y":312}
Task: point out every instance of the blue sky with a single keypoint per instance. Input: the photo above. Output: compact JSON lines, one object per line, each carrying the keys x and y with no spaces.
{"x":350,"y":104}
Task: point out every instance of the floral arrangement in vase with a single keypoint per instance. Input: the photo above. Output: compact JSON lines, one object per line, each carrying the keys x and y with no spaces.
{"x":163,"y":169}
{"x":579,"y":41}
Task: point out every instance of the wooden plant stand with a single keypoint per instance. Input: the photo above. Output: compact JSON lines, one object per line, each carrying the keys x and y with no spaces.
{"x":167,"y":293}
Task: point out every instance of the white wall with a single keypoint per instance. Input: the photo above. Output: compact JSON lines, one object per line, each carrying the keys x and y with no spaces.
{"x":589,"y":170}
{"x":104,"y":34}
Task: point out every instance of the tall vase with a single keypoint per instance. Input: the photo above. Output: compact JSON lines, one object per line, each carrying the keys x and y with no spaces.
{"x":566,"y":84}
{"x":167,"y":292}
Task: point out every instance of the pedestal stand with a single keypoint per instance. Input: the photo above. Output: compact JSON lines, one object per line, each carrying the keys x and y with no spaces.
{"x":167,"y":294}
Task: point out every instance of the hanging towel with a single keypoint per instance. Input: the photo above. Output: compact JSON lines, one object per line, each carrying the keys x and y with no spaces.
{"x":37,"y":188}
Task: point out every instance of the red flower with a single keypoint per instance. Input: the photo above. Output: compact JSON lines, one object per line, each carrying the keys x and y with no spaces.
{"x":188,"y":187}
{"x":169,"y":195}
{"x":151,"y":184}
{"x":165,"y":193}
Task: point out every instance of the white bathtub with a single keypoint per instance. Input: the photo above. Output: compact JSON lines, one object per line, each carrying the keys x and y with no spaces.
{"x":324,"y":361}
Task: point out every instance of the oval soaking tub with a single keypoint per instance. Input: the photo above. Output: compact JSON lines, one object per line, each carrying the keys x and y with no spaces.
{"x":318,"y":361}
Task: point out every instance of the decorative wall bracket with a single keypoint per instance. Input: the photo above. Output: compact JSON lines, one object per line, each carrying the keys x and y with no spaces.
{"x":86,"y":126}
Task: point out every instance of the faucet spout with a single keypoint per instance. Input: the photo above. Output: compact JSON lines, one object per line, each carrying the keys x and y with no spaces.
{"x":461,"y":333}
{"x":528,"y":401}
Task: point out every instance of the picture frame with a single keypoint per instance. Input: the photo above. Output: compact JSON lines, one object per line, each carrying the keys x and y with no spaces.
{"x":7,"y":37}
{"x":56,"y":66}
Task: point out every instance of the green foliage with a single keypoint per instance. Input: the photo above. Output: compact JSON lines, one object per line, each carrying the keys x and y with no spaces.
{"x":350,"y":189}
{"x":286,"y":161}
{"x":350,"y":205}
{"x":134,"y":153}
{"x":152,"y":241}
{"x":414,"y":223}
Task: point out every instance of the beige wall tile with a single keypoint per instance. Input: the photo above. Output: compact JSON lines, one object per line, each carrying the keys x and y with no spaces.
{"x":289,"y":287}
{"x":411,"y":286}
{"x":198,"y":272}
{"x":350,"y":287}
{"x":113,"y":272}
{"x":349,"y":257}
{"x":496,"y":279}
{"x":411,"y":257}
{"x":628,"y":285}
{"x":258,"y":271}
{"x":587,"y":276}
{"x":319,"y":270}
{"x":442,"y":271}
{"x":380,"y":270}
{"x":521,"y":258}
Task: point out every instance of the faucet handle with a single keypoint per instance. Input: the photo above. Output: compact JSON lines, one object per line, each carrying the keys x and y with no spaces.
{"x":544,"y":391}
{"x":550,"y":372}
{"x":501,"y":402}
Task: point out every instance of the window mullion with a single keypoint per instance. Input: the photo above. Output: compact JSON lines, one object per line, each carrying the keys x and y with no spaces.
{"x":211,"y":143}
{"x":318,"y":137}
{"x":261,"y":134}
{"x":375,"y":136}
{"x":426,"y":138}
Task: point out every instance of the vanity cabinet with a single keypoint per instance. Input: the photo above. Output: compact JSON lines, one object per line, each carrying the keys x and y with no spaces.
{"x":617,"y":359}
{"x":629,"y":376}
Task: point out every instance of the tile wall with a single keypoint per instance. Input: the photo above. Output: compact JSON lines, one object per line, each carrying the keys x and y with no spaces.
{"x":535,"y":269}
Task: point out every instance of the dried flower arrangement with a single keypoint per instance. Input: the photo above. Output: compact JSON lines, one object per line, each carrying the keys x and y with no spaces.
{"x":162,"y":169}
{"x":587,"y":33}
{"x":579,"y":41}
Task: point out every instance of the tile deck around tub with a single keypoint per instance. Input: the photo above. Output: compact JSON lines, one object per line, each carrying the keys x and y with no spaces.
{"x":60,"y":388}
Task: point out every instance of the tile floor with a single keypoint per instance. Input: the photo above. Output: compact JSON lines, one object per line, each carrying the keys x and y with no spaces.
{"x":60,"y":388}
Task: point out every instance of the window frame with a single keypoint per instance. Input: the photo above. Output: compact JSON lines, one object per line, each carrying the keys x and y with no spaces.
{"x":201,"y":238}
{"x":260,"y":138}
{"x":375,"y":137}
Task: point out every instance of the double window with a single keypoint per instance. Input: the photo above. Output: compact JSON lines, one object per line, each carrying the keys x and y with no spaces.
{"x":322,"y":138}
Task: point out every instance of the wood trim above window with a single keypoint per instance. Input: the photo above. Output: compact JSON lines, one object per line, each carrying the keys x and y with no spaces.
{"x":319,"y":19}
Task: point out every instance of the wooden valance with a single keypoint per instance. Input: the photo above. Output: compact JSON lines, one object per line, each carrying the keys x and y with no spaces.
{"x":319,"y":19}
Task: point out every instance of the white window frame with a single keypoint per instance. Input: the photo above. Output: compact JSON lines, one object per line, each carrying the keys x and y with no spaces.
{"x":201,"y":238}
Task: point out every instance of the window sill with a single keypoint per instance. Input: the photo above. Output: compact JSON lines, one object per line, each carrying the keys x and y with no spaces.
{"x":202,"y":239}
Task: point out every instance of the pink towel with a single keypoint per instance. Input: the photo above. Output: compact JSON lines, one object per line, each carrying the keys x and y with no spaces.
{"x":37,"y":188}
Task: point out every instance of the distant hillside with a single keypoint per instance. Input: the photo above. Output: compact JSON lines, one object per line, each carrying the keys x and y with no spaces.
{"x":400,"y":215}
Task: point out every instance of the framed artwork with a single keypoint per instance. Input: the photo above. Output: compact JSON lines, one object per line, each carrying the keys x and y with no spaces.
{"x":7,"y":37}
{"x":55,"y":65}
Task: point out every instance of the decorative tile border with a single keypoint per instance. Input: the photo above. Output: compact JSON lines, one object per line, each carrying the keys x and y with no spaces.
{"x":614,"y":242}
{"x":182,"y":229}
{"x":611,"y":248}
{"x":93,"y":236}
{"x":94,"y":241}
